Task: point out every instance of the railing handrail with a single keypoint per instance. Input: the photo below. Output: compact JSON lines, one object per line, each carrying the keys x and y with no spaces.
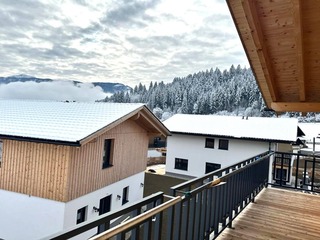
{"x":298,"y":154}
{"x":136,"y":220}
{"x":220,"y":171}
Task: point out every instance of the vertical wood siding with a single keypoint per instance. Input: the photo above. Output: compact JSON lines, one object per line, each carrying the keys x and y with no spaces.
{"x":130,"y":157}
{"x":36,"y":169}
{"x":63,"y":173}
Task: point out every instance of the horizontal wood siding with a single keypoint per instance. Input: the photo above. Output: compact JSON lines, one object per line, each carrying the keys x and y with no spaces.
{"x":36,"y":169}
{"x":129,"y":157}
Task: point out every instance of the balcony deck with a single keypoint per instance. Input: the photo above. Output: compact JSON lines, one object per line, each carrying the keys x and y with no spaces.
{"x":278,"y":214}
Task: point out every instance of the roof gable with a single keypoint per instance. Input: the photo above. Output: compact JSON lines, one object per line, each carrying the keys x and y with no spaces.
{"x":271,"y":129}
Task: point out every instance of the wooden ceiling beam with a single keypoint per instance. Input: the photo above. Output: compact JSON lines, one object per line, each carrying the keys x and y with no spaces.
{"x":250,"y":9}
{"x":295,"y":106}
{"x":297,"y":13}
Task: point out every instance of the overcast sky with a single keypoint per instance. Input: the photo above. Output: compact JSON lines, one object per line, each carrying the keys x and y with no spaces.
{"x":116,"y":40}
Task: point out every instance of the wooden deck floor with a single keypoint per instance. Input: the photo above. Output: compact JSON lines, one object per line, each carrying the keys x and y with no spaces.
{"x":278,"y":214}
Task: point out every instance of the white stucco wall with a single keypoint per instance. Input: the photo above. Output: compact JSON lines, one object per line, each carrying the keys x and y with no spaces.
{"x":193,"y":148}
{"x":27,"y":217}
{"x":93,"y":199}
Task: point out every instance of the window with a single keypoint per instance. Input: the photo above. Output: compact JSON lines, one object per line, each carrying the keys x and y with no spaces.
{"x":108,"y":153}
{"x":210,"y":167}
{"x":209,"y":143}
{"x":82,"y":214}
{"x":223,"y":144}
{"x":181,"y":164}
{"x":125,"y":195}
{"x":1,"y":146}
{"x":104,"y":207}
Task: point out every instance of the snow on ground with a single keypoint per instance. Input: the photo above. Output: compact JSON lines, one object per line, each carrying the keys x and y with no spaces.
{"x":159,"y":169}
{"x":154,"y":153}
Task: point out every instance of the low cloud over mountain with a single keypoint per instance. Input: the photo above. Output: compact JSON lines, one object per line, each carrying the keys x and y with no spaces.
{"x":54,"y":90}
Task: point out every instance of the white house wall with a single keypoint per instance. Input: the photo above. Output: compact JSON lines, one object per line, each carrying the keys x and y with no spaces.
{"x":193,"y":149}
{"x":27,"y":217}
{"x":93,"y":199}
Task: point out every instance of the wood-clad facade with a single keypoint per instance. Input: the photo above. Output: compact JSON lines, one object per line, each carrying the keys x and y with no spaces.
{"x":36,"y":169}
{"x":129,"y":157}
{"x":63,"y":173}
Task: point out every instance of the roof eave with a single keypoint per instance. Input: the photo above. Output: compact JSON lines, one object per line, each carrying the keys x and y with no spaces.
{"x":233,"y":137}
{"x":40,"y":140}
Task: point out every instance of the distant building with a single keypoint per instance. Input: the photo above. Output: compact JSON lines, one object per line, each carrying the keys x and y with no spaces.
{"x":203,"y":143}
{"x":64,"y":163}
{"x":311,"y":139}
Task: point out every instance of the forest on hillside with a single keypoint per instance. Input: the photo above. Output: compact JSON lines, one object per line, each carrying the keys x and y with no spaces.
{"x":228,"y":92}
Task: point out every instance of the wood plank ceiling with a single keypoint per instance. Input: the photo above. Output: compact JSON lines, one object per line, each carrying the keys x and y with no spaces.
{"x":282,"y":42}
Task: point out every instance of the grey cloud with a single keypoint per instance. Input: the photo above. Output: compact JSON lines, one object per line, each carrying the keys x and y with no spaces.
{"x":81,"y":2}
{"x":23,"y":15}
{"x":156,"y":42}
{"x":93,"y":28}
{"x":63,"y":52}
{"x":126,"y":11}
{"x":57,"y":90}
{"x":60,"y":52}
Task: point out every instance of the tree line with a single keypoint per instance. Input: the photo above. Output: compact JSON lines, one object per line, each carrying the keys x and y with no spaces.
{"x":228,"y":92}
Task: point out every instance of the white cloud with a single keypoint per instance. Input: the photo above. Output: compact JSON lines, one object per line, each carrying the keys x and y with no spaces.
{"x":116,"y":40}
{"x":56,"y":90}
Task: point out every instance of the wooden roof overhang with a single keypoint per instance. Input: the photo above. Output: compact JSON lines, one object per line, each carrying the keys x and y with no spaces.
{"x":282,"y":41}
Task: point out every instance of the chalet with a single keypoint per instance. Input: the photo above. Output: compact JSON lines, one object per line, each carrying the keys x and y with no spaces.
{"x":62,"y":163}
{"x":203,"y":143}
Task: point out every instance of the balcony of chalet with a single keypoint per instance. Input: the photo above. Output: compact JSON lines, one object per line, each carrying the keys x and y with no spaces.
{"x":273,"y":195}
{"x":270,"y":196}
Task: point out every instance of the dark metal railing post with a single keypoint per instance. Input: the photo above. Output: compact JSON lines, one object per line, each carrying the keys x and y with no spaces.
{"x":313,"y":172}
{"x":157,"y":222}
{"x":297,"y":171}
{"x":170,"y":220}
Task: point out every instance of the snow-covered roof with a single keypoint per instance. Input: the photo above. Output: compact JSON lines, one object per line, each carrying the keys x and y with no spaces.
{"x":311,"y":130}
{"x":59,"y":121}
{"x":272,"y":129}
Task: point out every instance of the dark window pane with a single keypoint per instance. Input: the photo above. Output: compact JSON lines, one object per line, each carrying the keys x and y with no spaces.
{"x":81,"y":215}
{"x":125,"y":195}
{"x":223,"y":144}
{"x":210,"y":167}
{"x":181,"y":164}
{"x":107,"y":153}
{"x":209,"y":143}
